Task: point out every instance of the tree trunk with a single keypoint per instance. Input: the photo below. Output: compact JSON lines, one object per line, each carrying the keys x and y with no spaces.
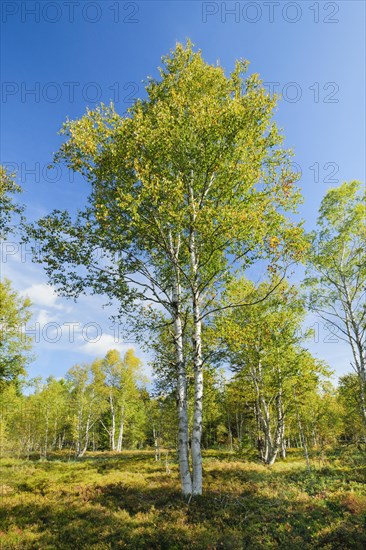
{"x":156,"y":443}
{"x":112,"y":435}
{"x":230,"y":433}
{"x":302,"y":435}
{"x":272,"y":444}
{"x":86,"y":441}
{"x":182,"y":405}
{"x":185,"y":474}
{"x":264,"y":415}
{"x":198,"y":398}
{"x":357,"y":345}
{"x":197,"y":362}
{"x":46,"y":434}
{"x":121,"y":431}
{"x":283,"y":448}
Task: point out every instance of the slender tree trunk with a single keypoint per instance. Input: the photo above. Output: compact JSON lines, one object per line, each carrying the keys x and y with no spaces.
{"x":61,"y":440}
{"x":265,"y":418}
{"x":283,"y":449}
{"x":78,"y":444}
{"x":182,"y":400}
{"x":279,"y":434}
{"x":112,"y":434}
{"x":197,"y":362}
{"x":55,"y":430}
{"x":238,"y":431}
{"x":230,"y":433}
{"x":185,"y":474}
{"x":302,"y":435}
{"x":156,"y":443}
{"x":121,"y":431}
{"x":357,"y":345}
{"x":46,"y":434}
{"x":198,"y":399}
{"x":259,"y":424}
{"x":86,"y":440}
{"x":362,"y":381}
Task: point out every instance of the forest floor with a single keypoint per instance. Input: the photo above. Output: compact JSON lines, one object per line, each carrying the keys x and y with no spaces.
{"x":127,"y":500}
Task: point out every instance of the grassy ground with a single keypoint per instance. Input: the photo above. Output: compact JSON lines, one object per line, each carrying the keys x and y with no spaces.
{"x":107,"y":501}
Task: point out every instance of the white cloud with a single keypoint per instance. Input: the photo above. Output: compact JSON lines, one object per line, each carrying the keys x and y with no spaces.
{"x":43,"y":317}
{"x":42,"y":294}
{"x":102,"y":345}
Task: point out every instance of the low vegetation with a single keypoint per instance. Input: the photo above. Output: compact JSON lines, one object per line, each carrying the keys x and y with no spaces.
{"x":130,"y":500}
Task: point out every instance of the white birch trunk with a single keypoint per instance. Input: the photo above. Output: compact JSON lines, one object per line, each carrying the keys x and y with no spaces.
{"x":185,"y":474}
{"x":86,"y":441}
{"x":112,"y":434}
{"x":120,"y":432}
{"x":156,"y":444}
{"x":198,"y":398}
{"x":182,"y":405}
{"x":197,"y":357}
{"x":198,"y":381}
{"x":302,"y":435}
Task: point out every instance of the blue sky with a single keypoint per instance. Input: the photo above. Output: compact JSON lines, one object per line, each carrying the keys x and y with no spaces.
{"x":57,"y":58}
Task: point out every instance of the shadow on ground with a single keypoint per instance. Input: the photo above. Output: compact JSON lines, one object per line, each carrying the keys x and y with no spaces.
{"x":241,"y":509}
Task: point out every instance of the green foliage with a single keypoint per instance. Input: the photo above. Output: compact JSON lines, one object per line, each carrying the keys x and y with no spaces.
{"x":349,"y":400}
{"x":14,"y":343}
{"x":7,"y":205}
{"x":337,"y":273}
{"x":208,"y":137}
{"x":338,"y":253}
{"x":263,"y":344}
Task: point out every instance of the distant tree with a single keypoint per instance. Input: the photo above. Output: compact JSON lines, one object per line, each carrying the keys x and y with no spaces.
{"x":238,"y":405}
{"x":337,"y":272}
{"x":120,"y":379}
{"x":349,"y":399}
{"x":48,"y":407}
{"x":14,"y":311}
{"x":263,"y":344}
{"x":86,"y":403}
{"x":12,"y":421}
{"x":15,"y":345}
{"x":8,"y":207}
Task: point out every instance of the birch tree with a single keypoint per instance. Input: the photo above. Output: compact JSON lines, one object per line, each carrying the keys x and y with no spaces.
{"x":119,"y":385}
{"x":86,"y":403}
{"x":337,"y":273}
{"x":190,"y":185}
{"x":8,"y":207}
{"x":349,"y":399}
{"x":263,"y":344}
{"x":48,"y":406}
{"x":14,"y":310}
{"x":15,"y":345}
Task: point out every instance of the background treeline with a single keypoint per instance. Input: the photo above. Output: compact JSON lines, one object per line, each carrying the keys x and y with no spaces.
{"x":105,"y":405}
